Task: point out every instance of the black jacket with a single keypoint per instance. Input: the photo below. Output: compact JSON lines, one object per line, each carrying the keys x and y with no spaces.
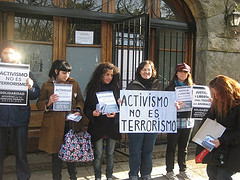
{"x":100,"y":126}
{"x":170,"y":87}
{"x":231,"y":136}
{"x":12,"y":116}
{"x":136,"y":85}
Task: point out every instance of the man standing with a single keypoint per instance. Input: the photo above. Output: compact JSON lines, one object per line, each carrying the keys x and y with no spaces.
{"x":14,"y":120}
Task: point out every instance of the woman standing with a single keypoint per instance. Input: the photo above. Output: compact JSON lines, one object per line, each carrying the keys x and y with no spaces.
{"x":226,"y":110}
{"x":141,"y":144}
{"x":54,"y":124}
{"x":182,"y":77}
{"x":103,"y":128}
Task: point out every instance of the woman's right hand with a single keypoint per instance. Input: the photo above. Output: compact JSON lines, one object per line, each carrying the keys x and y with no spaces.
{"x":96,"y":113}
{"x":52,"y":99}
{"x":179,"y":104}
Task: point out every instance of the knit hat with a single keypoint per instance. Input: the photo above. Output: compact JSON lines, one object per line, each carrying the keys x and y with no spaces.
{"x":183,"y":67}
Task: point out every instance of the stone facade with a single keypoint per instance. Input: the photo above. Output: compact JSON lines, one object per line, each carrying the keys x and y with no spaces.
{"x":217,"y":50}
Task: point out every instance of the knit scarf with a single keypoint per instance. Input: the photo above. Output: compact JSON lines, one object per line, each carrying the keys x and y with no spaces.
{"x":178,"y":83}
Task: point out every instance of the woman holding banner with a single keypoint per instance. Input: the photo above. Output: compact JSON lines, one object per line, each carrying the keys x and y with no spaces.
{"x":141,"y":144}
{"x":182,"y":77}
{"x":226,"y":110}
{"x":55,"y":125}
{"x":103,"y":127}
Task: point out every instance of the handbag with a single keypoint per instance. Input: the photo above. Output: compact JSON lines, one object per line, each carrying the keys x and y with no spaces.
{"x":218,"y":156}
{"x":76,"y":147}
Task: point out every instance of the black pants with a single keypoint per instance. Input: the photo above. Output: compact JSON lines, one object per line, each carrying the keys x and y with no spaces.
{"x":57,"y":163}
{"x":19,"y":138}
{"x":57,"y":168}
{"x":181,"y":138}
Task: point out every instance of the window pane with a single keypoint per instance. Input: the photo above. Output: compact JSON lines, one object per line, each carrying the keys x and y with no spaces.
{"x":130,"y":7}
{"x":83,"y":60}
{"x":33,"y":29}
{"x":39,"y":57}
{"x":48,"y":3}
{"x":91,"y":5}
{"x":84,"y":25}
{"x":171,"y":52}
{"x":167,"y":12}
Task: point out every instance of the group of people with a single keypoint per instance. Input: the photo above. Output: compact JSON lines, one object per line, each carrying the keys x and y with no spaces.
{"x":104,"y":129}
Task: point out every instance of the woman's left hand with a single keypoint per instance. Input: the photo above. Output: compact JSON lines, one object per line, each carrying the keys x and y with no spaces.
{"x":216,"y":142}
{"x":179,"y":104}
{"x":110,"y":115}
{"x":29,"y":83}
{"x":119,"y":101}
{"x":77,"y":113}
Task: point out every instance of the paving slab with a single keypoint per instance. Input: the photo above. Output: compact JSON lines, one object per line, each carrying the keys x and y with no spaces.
{"x":40,"y":165}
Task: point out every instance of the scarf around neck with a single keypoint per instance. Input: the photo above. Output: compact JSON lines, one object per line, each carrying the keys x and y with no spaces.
{"x":178,"y":83}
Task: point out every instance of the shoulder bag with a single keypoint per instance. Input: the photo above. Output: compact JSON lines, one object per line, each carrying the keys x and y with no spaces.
{"x":218,"y":156}
{"x":76,"y":147}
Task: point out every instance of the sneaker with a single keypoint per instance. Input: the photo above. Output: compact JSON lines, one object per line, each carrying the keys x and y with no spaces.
{"x":98,"y":179}
{"x":171,"y":176}
{"x":109,"y":178}
{"x":185,"y":175}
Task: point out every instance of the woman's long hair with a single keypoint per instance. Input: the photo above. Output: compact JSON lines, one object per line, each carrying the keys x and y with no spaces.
{"x":227,"y":94}
{"x":188,"y":81}
{"x":94,"y":85}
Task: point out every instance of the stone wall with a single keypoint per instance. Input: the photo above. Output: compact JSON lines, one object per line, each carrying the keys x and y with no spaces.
{"x":217,"y":50}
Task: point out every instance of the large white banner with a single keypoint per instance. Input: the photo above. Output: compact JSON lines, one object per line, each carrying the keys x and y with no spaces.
{"x":13,"y":87}
{"x":148,"y":112}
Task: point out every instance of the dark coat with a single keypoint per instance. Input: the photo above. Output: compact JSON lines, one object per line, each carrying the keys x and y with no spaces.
{"x":231,"y":136}
{"x":52,"y":129}
{"x":12,"y":116}
{"x":136,"y":85}
{"x":101,"y":126}
{"x":170,"y":87}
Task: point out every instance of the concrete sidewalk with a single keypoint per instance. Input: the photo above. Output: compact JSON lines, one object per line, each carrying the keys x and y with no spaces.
{"x":40,"y":165}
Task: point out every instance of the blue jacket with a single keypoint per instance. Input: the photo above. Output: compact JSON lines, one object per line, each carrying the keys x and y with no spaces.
{"x":12,"y":116}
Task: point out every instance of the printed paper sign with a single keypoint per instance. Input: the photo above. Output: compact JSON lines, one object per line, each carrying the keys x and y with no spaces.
{"x":201,"y":103}
{"x":13,"y":87}
{"x":148,"y":112}
{"x":84,"y":37}
{"x":64,"y":91}
{"x":106,"y":102}
{"x":195,"y":101}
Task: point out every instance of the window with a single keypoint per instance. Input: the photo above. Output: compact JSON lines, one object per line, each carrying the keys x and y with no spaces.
{"x":84,"y":25}
{"x":166,"y":12}
{"x":130,"y":7}
{"x":91,"y":5}
{"x":48,"y":3}
{"x":33,"y":29}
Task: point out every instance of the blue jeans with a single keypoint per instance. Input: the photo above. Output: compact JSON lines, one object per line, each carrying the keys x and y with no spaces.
{"x":218,"y":173}
{"x":140,"y":154}
{"x":98,"y":151}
